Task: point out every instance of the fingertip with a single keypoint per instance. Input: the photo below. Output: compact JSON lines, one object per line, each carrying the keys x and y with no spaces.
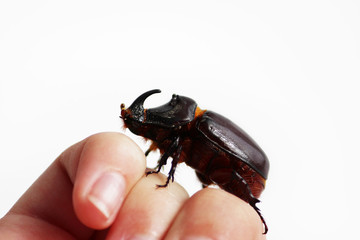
{"x":108,"y":166}
{"x":98,"y":208}
{"x":214,"y":213}
{"x":148,"y":211}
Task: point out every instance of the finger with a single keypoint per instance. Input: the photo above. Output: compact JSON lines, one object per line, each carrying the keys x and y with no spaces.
{"x":148,"y":211}
{"x":108,"y":167}
{"x":49,"y":201}
{"x":216,"y":214}
{"x":46,"y":208}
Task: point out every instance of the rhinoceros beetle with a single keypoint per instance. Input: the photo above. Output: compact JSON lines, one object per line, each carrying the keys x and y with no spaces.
{"x":220,"y":152}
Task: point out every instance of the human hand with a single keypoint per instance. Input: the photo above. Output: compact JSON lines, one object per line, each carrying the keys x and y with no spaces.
{"x":97,"y":189}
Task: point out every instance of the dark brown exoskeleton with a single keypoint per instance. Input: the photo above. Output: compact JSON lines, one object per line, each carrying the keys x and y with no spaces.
{"x":220,"y":152}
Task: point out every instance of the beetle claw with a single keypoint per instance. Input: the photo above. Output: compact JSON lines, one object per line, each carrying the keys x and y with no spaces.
{"x":151,"y":172}
{"x":253,"y":203}
{"x":162,"y":186}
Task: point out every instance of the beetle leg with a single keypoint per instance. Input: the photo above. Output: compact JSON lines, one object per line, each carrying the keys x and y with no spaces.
{"x":203,"y":177}
{"x":165,"y":156}
{"x":232,"y":182}
{"x":174,"y":163}
{"x":161,"y":163}
{"x":252,"y":200}
{"x":205,"y":182}
{"x":152,"y":147}
{"x":147,"y":152}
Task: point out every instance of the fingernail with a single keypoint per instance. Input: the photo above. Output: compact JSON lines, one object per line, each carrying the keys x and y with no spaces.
{"x":107,"y":193}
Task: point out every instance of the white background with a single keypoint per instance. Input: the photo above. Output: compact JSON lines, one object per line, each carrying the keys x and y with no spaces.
{"x":286,"y":72}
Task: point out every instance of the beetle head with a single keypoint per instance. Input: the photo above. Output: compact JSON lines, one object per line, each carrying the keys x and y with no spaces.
{"x":179,"y":111}
{"x":135,"y":114}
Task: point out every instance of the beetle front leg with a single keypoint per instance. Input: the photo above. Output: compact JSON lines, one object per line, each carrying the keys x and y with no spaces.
{"x":152,"y":147}
{"x":174,"y":163}
{"x":163,"y":160}
{"x":161,"y":163}
{"x":147,"y":152}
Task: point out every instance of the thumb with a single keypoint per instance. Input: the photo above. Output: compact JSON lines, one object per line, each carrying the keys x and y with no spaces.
{"x":103,"y":171}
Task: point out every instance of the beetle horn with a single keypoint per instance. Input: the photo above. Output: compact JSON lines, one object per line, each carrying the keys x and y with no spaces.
{"x":141,"y":99}
{"x":137,"y":107}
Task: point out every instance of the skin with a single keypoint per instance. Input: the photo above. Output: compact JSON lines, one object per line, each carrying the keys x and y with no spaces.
{"x":97,"y":189}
